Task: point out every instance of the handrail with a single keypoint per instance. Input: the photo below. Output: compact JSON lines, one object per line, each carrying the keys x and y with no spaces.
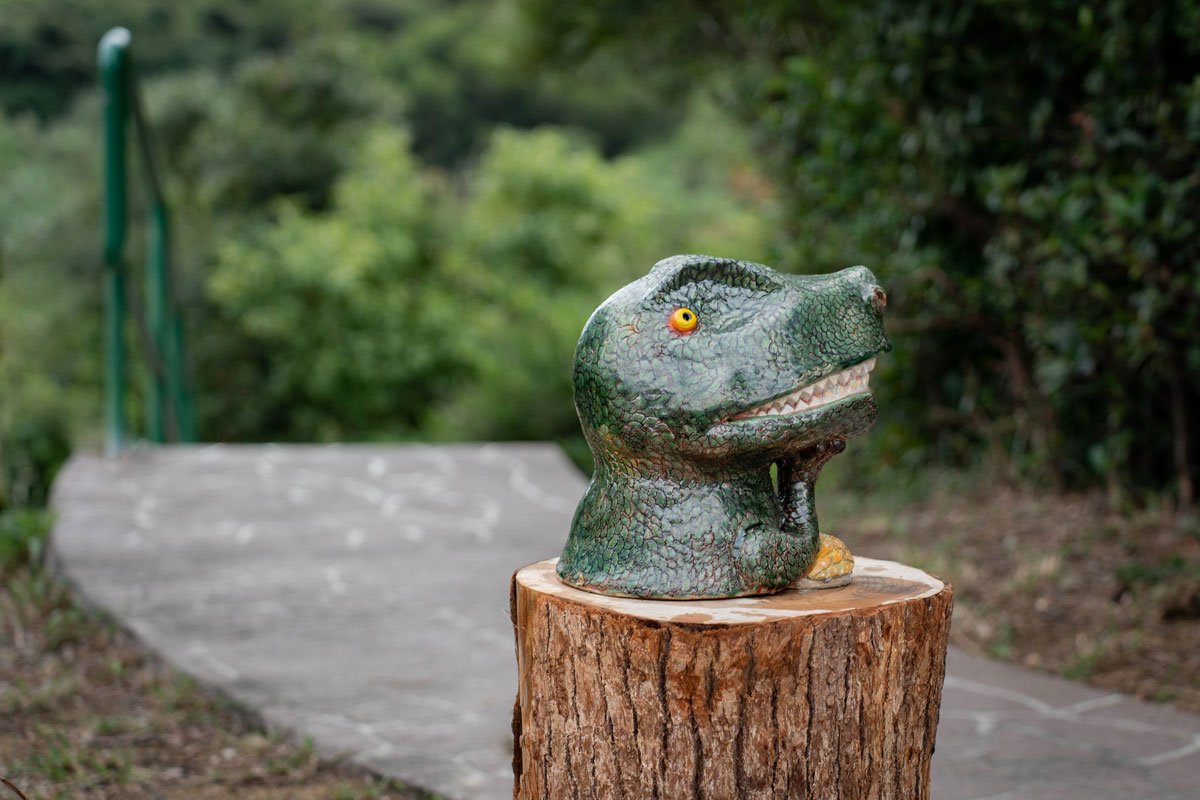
{"x":170,"y":416}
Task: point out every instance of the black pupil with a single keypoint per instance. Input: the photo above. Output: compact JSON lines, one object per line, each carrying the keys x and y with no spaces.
{"x":687,"y":317}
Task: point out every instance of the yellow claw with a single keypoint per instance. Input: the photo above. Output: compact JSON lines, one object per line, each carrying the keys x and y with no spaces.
{"x":832,"y":566}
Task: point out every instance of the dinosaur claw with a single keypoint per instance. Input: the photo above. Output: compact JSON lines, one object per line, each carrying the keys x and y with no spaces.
{"x":834,"y":565}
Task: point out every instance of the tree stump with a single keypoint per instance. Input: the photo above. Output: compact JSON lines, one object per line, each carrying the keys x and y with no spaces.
{"x":804,"y":694}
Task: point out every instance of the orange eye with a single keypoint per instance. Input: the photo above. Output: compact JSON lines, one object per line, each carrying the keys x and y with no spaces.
{"x":684,"y":320}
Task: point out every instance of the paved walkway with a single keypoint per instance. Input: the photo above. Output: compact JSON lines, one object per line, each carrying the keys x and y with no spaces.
{"x":359,"y":595}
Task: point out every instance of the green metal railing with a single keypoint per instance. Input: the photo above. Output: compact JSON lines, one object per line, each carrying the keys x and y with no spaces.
{"x":169,"y":412}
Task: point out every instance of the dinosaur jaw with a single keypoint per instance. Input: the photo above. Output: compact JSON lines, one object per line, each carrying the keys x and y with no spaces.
{"x":831,"y":389}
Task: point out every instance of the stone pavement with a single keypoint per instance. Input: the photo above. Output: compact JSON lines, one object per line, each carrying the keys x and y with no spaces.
{"x":358,"y":594}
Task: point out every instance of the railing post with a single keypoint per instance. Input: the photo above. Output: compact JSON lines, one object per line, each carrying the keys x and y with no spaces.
{"x":113,"y":75}
{"x":168,"y":388}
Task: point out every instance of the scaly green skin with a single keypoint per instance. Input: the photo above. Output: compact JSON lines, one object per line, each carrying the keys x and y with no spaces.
{"x":682,"y":504}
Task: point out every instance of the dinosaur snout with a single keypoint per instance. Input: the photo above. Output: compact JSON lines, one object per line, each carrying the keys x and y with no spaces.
{"x":839,"y":318}
{"x":867,"y":286}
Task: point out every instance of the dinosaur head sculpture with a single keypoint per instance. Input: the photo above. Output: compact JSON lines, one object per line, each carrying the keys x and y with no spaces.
{"x":690,"y":383}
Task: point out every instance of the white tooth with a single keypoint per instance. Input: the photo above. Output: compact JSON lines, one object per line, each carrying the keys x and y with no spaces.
{"x":852,"y":380}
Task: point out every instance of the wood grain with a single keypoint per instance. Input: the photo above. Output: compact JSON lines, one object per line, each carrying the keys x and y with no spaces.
{"x":804,"y":694}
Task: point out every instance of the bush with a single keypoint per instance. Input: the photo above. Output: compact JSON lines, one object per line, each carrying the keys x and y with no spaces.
{"x":331,"y":328}
{"x":1023,"y":176}
{"x":407,"y":310}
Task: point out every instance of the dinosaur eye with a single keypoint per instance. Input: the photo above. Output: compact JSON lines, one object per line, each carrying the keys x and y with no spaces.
{"x":684,"y":320}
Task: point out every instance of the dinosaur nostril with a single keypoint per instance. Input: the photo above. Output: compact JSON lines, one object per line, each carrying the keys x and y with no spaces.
{"x":878,"y":298}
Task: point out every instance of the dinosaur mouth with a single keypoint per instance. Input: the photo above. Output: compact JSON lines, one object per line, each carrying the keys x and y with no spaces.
{"x":830,"y":389}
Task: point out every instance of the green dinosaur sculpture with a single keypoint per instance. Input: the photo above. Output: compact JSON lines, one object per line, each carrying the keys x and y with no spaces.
{"x":690,"y":383}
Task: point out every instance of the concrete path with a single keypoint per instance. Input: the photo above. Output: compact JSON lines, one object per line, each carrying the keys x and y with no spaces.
{"x":359,"y":595}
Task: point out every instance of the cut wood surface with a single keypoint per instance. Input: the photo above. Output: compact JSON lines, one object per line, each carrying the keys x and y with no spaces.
{"x":828,"y":693}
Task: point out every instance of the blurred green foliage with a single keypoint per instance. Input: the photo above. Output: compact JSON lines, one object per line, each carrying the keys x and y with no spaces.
{"x":388,"y":224}
{"x":408,"y":309}
{"x":393,"y":217}
{"x":22,"y":538}
{"x":327,"y":339}
{"x":1025,"y":177}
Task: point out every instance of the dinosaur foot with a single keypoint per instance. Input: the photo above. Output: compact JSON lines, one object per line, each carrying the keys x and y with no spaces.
{"x":832,"y":567}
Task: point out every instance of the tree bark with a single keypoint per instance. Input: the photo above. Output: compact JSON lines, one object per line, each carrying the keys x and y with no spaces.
{"x":820,"y":694}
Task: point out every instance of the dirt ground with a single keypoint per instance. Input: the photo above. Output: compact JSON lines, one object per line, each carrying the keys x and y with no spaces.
{"x":1056,"y":583}
{"x":85,"y":713}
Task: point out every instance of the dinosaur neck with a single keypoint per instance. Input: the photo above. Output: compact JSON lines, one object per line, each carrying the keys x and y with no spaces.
{"x":740,"y":493}
{"x":744,"y":486}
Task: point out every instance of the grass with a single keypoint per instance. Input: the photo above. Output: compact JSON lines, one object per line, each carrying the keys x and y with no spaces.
{"x":86,"y":713}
